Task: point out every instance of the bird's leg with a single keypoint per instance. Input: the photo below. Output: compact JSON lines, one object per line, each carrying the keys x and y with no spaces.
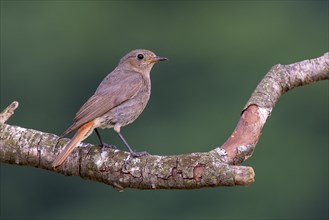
{"x":132,"y":153}
{"x":101,"y":140}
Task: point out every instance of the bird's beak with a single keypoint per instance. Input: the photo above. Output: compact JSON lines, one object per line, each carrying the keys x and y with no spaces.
{"x":157,"y":59}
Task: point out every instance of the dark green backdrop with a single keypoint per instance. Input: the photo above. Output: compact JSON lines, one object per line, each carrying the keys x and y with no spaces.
{"x":54,"y":54}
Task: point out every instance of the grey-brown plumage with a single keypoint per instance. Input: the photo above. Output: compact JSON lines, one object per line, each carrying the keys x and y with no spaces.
{"x":119,"y":100}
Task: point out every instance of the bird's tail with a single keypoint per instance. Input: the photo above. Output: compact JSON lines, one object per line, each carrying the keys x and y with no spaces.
{"x":83,"y":132}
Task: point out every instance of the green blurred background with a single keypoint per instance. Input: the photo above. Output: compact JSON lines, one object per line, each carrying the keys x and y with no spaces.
{"x":55,"y":53}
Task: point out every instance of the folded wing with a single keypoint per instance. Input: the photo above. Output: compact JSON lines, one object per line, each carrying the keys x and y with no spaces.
{"x":106,"y":98}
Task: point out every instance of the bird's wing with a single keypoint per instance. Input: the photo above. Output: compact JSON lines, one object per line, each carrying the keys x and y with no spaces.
{"x":107,"y":98}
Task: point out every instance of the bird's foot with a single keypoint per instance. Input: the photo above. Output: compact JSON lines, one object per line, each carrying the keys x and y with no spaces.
{"x":138,"y":154}
{"x":134,"y":154}
{"x":105,"y":145}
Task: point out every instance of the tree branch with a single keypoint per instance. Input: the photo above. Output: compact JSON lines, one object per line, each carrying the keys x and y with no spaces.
{"x":217,"y":167}
{"x":8,"y":112}
{"x":279,"y":80}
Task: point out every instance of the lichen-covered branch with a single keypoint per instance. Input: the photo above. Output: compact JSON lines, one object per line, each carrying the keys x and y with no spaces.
{"x":279,"y":80}
{"x":34,"y":148}
{"x":29,"y":147}
{"x":8,"y":112}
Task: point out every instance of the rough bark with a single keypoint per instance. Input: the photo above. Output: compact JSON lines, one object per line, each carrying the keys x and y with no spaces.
{"x":279,"y":80}
{"x":217,"y":167}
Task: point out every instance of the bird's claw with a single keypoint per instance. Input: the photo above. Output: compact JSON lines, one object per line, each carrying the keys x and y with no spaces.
{"x":133,"y":155}
{"x":105,"y":145}
{"x":139,"y":154}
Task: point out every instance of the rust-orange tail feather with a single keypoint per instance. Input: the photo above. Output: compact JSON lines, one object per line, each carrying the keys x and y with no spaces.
{"x":83,"y":132}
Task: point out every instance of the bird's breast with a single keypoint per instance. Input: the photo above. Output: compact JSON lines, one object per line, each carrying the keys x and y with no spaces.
{"x":128,"y":111}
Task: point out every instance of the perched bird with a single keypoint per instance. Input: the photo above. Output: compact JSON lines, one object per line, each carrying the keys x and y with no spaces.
{"x":118,"y":101}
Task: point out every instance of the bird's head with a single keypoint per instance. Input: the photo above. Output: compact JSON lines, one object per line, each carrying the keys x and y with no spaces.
{"x":140,"y":60}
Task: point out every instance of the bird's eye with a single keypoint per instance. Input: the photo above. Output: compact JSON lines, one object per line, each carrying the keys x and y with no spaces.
{"x":140,"y":56}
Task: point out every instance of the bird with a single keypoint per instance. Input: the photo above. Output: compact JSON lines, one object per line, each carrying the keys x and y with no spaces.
{"x":118,"y":100}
